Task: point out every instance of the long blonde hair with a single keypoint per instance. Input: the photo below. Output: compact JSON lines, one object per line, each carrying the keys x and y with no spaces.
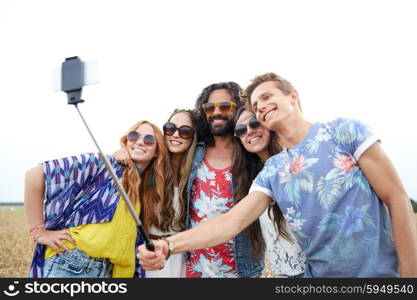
{"x":149,"y":187}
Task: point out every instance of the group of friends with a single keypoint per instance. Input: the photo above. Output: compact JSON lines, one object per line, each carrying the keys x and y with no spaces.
{"x":242,"y":176}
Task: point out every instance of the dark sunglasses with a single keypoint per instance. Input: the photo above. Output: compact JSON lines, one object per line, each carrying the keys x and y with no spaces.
{"x":148,"y":139}
{"x":184,"y":131}
{"x":225,"y":107}
{"x":242,"y":129}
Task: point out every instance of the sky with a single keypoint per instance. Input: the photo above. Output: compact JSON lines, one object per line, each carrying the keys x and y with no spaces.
{"x":354,"y":59}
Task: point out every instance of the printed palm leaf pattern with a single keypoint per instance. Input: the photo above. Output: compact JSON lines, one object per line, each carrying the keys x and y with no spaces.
{"x":356,"y":177}
{"x":210,"y":208}
{"x":297,"y":178}
{"x":321,"y":136}
{"x":352,"y":221}
{"x":329,"y":188}
{"x":268,"y":171}
{"x":345,"y":163}
{"x":313,"y":145}
{"x":350,"y":173}
{"x":295,"y":222}
{"x":227,"y":176}
{"x":350,"y":131}
{"x":350,"y":228}
{"x":203,"y":173}
{"x":329,"y":223}
{"x":213,"y":268}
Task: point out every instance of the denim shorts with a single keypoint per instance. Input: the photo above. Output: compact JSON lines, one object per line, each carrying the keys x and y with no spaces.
{"x":76,"y":264}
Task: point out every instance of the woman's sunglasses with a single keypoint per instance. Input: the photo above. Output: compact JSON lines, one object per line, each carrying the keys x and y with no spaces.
{"x":148,"y":139}
{"x":242,"y":129}
{"x":225,"y":107}
{"x":184,"y":131}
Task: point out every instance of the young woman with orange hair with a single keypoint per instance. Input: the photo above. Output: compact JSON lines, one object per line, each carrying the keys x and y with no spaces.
{"x":81,"y":225}
{"x":180,"y":140}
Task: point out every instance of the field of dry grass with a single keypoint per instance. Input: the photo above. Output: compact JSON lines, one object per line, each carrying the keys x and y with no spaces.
{"x":16,"y":247}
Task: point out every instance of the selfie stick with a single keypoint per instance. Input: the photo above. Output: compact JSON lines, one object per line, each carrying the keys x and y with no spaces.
{"x":72,"y":81}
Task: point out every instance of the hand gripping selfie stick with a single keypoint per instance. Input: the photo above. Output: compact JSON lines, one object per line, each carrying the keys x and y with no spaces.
{"x":72,"y":82}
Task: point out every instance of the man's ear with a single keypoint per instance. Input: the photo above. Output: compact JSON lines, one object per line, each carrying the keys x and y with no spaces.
{"x":294,"y":97}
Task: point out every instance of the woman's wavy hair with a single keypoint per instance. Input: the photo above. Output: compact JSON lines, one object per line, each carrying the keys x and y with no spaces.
{"x":148,"y":187}
{"x":203,"y":130}
{"x":246,"y":166}
{"x":180,"y":176}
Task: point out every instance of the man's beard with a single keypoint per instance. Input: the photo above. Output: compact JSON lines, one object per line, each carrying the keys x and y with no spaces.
{"x":223,"y":130}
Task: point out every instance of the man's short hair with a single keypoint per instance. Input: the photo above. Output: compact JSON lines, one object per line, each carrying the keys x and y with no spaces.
{"x":281,"y":83}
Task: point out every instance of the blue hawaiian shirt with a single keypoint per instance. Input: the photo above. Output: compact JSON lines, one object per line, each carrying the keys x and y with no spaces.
{"x":337,"y":218}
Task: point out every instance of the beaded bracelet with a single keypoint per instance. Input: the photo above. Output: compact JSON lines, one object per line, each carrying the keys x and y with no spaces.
{"x":170,"y":248}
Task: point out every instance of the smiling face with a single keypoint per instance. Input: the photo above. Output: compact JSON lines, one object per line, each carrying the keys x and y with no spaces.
{"x":271,"y":105}
{"x":221,"y":123}
{"x":255,"y":140}
{"x":140,"y":152}
{"x":175,"y":143}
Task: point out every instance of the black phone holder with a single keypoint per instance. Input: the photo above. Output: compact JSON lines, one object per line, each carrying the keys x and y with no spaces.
{"x":72,"y":79}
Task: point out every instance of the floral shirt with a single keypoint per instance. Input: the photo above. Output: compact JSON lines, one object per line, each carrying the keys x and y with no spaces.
{"x":211,"y":195}
{"x":337,"y":218}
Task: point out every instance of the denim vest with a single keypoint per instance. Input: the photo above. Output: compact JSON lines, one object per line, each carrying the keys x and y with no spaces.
{"x":246,"y":264}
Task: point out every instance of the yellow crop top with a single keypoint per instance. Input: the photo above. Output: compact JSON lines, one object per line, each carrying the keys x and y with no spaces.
{"x":114,"y":240}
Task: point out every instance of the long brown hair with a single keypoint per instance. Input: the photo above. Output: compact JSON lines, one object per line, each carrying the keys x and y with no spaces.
{"x":246,"y":166}
{"x":148,"y":187}
{"x":181,"y":176}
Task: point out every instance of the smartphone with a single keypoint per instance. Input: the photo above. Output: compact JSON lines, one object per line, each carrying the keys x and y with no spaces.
{"x":74,"y":77}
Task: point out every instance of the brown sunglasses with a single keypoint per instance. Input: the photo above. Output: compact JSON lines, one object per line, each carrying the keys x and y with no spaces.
{"x":184,"y":131}
{"x":148,"y":139}
{"x":225,"y":107}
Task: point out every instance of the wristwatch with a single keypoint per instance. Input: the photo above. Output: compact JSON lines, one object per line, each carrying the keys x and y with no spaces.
{"x":170,"y":247}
